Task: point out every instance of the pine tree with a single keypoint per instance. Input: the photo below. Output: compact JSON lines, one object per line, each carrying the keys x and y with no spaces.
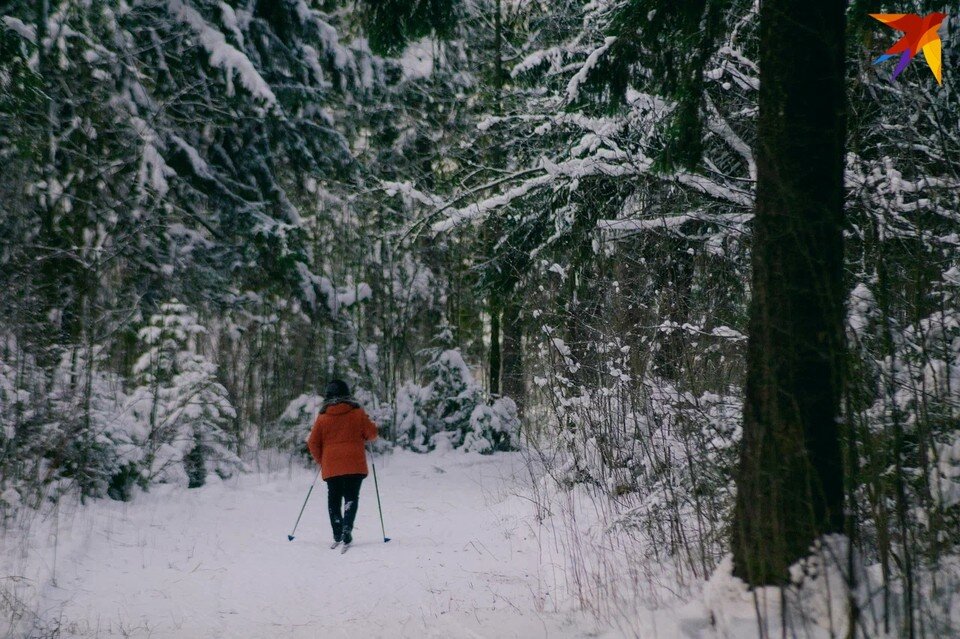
{"x":180,"y":410}
{"x":675,"y":42}
{"x":391,"y":24}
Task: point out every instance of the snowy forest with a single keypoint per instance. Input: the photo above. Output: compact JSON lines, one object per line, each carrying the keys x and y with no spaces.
{"x":688,"y":272}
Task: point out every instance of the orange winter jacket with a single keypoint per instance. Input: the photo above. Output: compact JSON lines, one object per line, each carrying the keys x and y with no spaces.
{"x":336,"y":441}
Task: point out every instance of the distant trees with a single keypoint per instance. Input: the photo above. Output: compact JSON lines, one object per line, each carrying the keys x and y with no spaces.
{"x":156,"y":151}
{"x":248,"y":161}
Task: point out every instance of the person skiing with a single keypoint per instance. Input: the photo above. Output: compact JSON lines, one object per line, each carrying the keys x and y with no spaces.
{"x":337,"y":444}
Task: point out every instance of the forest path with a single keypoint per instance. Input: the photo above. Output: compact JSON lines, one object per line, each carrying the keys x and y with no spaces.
{"x":464,"y":559}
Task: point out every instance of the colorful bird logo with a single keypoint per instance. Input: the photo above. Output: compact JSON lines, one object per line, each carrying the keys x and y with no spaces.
{"x":921,"y":33}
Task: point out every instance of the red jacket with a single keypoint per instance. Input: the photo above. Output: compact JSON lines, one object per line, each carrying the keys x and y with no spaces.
{"x":337,"y":439}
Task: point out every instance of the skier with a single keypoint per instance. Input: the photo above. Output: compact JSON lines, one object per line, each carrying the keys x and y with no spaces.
{"x":337,"y":444}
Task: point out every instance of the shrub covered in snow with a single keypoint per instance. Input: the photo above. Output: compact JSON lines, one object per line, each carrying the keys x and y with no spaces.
{"x":80,"y":429}
{"x":58,"y":432}
{"x":451,"y":411}
{"x":180,"y":412}
{"x":410,"y":423}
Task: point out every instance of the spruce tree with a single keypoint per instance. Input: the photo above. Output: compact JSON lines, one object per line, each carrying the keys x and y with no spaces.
{"x":181,"y":411}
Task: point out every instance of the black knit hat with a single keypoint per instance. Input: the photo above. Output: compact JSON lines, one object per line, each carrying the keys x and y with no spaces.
{"x":336,"y":388}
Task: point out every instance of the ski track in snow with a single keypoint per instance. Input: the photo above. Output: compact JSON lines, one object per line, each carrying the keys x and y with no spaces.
{"x":464,"y":560}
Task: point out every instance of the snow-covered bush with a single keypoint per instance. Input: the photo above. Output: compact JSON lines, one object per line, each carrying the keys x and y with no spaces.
{"x":453,"y":394}
{"x":451,"y":411}
{"x":92,"y":456}
{"x":180,"y":412}
{"x":813,"y":604}
{"x":58,"y":426}
{"x":410,"y":422}
{"x":14,"y":402}
{"x":493,"y":427}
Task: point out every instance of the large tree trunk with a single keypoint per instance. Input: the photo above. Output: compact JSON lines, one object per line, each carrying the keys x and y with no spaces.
{"x":790,"y":484}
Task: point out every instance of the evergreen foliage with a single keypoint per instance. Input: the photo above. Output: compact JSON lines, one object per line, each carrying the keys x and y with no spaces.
{"x":391,"y":24}
{"x":180,"y":412}
{"x":451,"y":411}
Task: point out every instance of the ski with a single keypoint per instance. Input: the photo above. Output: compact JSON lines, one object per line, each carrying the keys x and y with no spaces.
{"x":345,"y":548}
{"x":334,"y":545}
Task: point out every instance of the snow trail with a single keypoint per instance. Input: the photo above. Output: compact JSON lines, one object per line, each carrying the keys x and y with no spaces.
{"x":464,"y":560}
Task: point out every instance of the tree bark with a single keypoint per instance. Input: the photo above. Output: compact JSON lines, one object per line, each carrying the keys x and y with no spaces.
{"x":513,"y":385}
{"x":494,"y":344}
{"x":790,"y":482}
{"x":495,"y":300}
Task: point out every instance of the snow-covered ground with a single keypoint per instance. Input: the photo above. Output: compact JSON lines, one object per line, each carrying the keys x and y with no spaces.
{"x":465,"y":560}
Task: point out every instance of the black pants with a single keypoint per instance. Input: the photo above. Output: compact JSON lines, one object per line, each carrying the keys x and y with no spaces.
{"x":343,"y":495}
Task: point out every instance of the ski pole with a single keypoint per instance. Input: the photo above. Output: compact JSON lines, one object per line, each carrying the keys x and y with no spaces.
{"x":376,"y":487}
{"x":290,"y":536}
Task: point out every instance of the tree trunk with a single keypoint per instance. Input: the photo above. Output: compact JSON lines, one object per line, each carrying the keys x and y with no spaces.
{"x":494,"y":344}
{"x":497,"y":161}
{"x":790,"y":482}
{"x":513,"y":386}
